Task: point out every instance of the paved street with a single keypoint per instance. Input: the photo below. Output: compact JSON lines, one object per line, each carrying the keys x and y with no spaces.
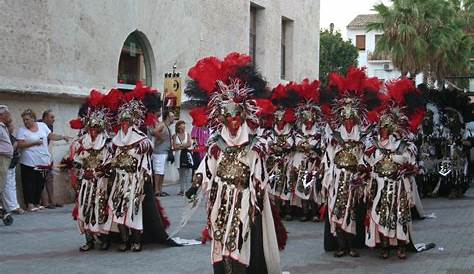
{"x":48,"y":241}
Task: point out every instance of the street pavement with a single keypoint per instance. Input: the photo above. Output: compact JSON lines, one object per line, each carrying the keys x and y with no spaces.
{"x":48,"y":241}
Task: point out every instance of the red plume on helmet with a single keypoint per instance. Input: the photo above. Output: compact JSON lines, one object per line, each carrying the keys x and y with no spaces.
{"x":289,"y":116}
{"x":356,"y":82}
{"x":206,"y":73}
{"x":404,"y":94}
{"x":214,"y":82}
{"x":113,"y":99}
{"x":95,"y":98}
{"x":265,"y":107}
{"x":309,"y":91}
{"x":199,"y":116}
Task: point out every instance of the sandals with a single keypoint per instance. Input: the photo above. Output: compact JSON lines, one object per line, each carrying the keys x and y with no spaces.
{"x":136,"y":247}
{"x":354,"y":253}
{"x":305,"y":219}
{"x":288,"y":218}
{"x":401,"y":253}
{"x":384,"y":254}
{"x":340,"y":253}
{"x":124,"y":247}
{"x":18,"y":211}
{"x":104,"y":246}
{"x":88,"y":246}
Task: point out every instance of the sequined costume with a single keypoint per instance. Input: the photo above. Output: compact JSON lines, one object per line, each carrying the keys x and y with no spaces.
{"x":233,"y":175}
{"x":344,"y":153}
{"x":392,"y":156}
{"x":235,"y":182}
{"x":390,"y":189}
{"x":131,"y":165}
{"x":307,"y":161}
{"x":90,"y":157}
{"x":281,"y":143}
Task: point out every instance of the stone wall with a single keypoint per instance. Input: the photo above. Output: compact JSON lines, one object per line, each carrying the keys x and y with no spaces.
{"x":54,"y":51}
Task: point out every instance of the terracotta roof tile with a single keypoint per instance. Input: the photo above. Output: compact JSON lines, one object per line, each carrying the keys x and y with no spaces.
{"x":362,"y":20}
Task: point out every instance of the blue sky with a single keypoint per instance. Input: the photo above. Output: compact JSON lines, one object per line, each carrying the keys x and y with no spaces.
{"x":341,"y":12}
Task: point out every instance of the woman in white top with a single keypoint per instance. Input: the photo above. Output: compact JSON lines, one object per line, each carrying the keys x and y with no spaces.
{"x":182,"y":140}
{"x":35,"y":158}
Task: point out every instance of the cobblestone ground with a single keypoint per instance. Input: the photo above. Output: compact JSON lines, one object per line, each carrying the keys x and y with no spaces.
{"x":48,"y":241}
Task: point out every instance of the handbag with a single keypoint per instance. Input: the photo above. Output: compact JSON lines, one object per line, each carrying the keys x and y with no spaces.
{"x":170,"y":157}
{"x":186,"y":159}
{"x":196,"y":159}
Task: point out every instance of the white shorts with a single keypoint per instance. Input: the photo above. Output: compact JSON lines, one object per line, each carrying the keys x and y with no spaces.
{"x":159,"y":162}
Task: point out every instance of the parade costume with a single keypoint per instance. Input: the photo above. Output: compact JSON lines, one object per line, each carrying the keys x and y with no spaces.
{"x":307,"y":158}
{"x":123,"y":166}
{"x":233,"y":174}
{"x":90,"y":154}
{"x":281,"y":144}
{"x":429,"y":149}
{"x":393,"y":160}
{"x":452,"y":146}
{"x":344,"y":168}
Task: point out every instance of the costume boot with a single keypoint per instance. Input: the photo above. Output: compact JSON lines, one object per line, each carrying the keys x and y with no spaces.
{"x":89,"y":243}
{"x":401,"y":252}
{"x":341,"y":250}
{"x":124,"y":236}
{"x":136,"y":240}
{"x":306,"y":211}
{"x":385,"y":248}
{"x":104,"y":242}
{"x":349,"y":238}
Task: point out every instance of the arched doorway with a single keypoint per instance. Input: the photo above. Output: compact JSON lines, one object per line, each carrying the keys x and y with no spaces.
{"x":136,"y":61}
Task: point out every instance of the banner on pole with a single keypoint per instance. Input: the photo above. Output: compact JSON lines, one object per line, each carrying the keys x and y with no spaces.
{"x":173,"y":92}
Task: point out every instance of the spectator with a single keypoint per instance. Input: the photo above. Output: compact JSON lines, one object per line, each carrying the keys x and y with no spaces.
{"x":47,"y":196}
{"x":35,"y":159}
{"x":6,"y":148}
{"x":161,"y":151}
{"x":183,"y":159}
{"x":10,"y":198}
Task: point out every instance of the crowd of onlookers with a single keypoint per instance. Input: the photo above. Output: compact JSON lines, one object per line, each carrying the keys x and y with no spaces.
{"x":176,"y":151}
{"x":28,"y":146}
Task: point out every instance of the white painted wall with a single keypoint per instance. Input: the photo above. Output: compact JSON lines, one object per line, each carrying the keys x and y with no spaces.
{"x":375,"y":68}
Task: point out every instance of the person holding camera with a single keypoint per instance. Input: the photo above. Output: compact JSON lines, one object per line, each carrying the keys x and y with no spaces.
{"x":184,"y":159}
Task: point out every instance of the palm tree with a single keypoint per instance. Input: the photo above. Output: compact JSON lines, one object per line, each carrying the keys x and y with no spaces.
{"x":402,"y":24}
{"x":429,"y":36}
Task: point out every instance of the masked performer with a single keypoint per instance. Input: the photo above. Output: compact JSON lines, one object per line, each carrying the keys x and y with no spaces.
{"x":232,"y":174}
{"x":306,"y":161}
{"x":281,"y":143}
{"x":453,"y":169}
{"x":428,"y":152}
{"x":394,"y":163}
{"x":134,"y":210}
{"x":344,"y":168}
{"x":91,"y":152}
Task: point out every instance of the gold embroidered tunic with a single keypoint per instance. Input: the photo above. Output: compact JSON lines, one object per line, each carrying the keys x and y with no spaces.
{"x":90,"y":157}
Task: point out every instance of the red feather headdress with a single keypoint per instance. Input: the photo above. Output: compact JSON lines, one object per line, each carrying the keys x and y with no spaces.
{"x":219,"y":84}
{"x":403,"y":106}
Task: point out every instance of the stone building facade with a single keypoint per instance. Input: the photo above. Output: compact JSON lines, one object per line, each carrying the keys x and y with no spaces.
{"x":53,"y":51}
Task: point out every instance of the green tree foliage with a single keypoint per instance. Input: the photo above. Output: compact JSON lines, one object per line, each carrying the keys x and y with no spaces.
{"x":429,"y":36}
{"x":335,"y":54}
